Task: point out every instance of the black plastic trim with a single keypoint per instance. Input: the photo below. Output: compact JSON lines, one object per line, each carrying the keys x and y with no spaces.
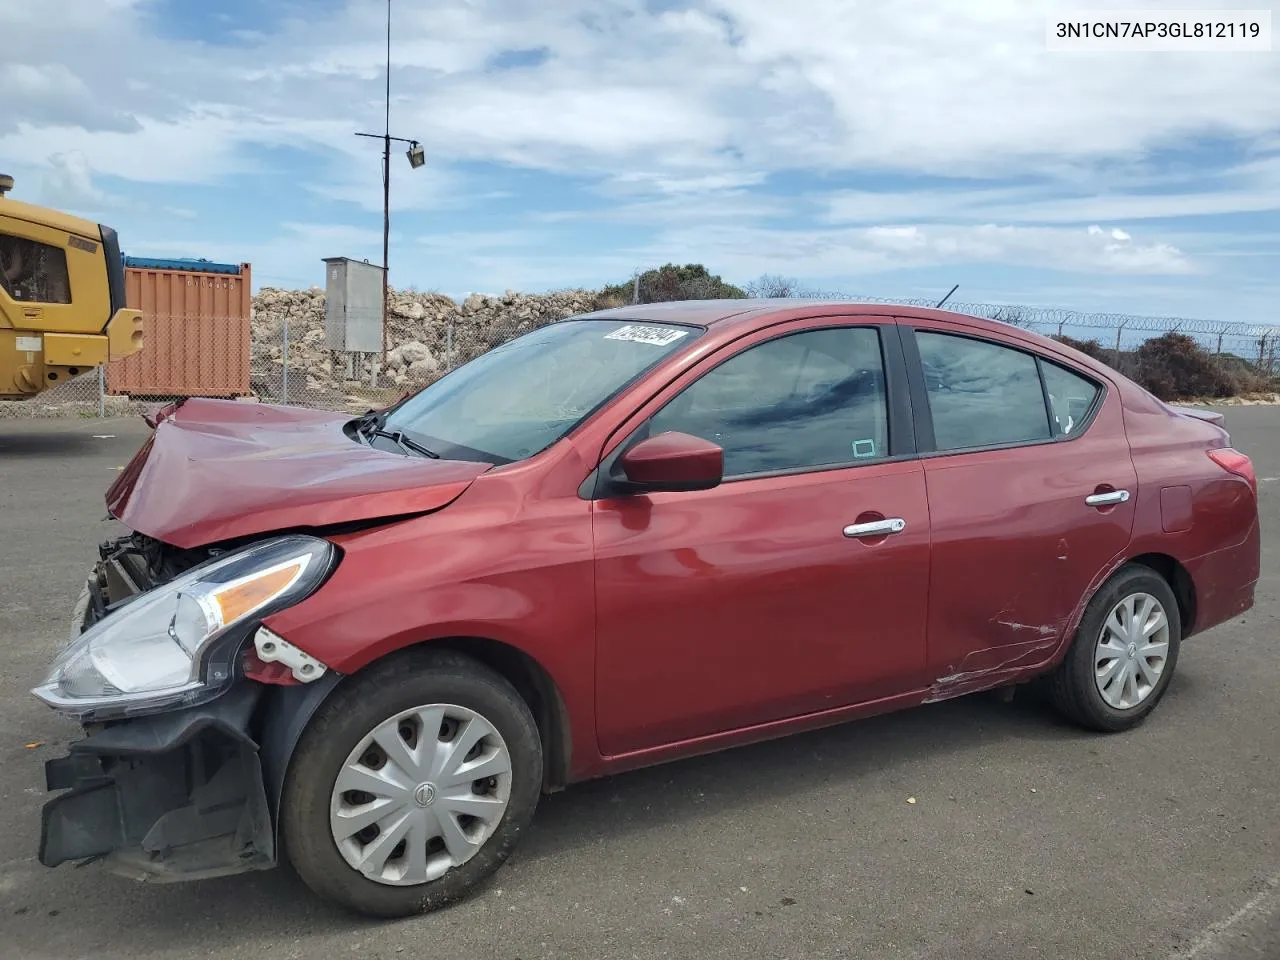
{"x":897,"y":385}
{"x":286,"y":713}
{"x":1044,"y":396}
{"x":164,"y":732}
{"x":115,"y":269}
{"x":171,"y":796}
{"x":81,"y":823}
{"x":922,"y":415}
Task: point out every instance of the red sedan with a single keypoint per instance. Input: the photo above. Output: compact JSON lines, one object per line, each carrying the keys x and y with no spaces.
{"x":368,"y":645}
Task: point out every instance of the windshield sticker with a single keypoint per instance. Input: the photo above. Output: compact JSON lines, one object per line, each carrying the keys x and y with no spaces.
{"x":654,"y":336}
{"x":864,"y":448}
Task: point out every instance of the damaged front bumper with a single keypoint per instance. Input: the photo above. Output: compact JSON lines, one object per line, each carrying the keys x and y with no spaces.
{"x":188,"y":788}
{"x":174,"y":796}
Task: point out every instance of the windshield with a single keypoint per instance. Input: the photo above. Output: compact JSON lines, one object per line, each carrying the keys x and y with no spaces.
{"x":519,"y":398}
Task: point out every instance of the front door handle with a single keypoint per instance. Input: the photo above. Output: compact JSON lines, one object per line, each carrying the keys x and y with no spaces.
{"x":876,"y":528}
{"x":1107,"y":499}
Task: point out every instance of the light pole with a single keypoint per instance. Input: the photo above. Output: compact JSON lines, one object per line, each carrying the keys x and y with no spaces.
{"x":417,"y":157}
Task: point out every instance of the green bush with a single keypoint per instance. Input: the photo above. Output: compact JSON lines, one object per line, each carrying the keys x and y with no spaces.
{"x":671,"y":282}
{"x":1175,"y":367}
{"x":1246,"y":376}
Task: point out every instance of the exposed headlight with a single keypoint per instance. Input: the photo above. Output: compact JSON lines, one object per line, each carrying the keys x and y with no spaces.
{"x":154,"y":652}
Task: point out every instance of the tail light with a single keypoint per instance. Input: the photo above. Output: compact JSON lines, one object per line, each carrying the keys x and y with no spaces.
{"x":1233,"y":461}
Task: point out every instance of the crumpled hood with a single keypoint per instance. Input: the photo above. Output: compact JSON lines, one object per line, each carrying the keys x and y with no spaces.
{"x":215,"y":470}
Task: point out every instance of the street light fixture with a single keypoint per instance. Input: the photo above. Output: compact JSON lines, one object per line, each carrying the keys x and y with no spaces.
{"x":417,"y":158}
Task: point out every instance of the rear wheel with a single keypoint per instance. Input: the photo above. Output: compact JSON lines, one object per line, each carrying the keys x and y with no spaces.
{"x":1124,"y":653}
{"x":412,"y":785}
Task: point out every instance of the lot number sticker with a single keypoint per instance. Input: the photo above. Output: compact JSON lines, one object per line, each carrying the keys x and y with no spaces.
{"x":654,"y":336}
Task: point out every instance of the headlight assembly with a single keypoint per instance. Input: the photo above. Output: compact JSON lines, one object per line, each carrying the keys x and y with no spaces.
{"x":155,"y":651}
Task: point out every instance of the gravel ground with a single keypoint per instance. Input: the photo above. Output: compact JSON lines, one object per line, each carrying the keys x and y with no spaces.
{"x":1026,"y":839}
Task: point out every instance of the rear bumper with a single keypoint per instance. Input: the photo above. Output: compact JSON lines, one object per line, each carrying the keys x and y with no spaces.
{"x":175,"y":796}
{"x":1225,"y":581}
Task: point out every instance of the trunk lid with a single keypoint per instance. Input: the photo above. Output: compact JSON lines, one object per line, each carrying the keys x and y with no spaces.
{"x":216,"y":470}
{"x":1208,"y":416}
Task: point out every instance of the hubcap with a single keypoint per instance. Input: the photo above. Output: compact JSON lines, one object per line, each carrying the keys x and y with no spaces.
{"x":1132,"y":651}
{"x":420,"y":794}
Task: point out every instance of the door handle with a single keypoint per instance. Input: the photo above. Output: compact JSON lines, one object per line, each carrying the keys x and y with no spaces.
{"x":1106,"y":499}
{"x":876,"y":528}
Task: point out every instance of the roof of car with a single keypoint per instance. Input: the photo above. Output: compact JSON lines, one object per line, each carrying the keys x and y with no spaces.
{"x":711,"y":312}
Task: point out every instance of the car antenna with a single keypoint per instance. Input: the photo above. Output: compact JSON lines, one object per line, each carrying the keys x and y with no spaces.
{"x":947,"y":297}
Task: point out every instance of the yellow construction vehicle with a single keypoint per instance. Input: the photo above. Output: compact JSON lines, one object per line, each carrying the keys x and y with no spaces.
{"x":62,"y":298}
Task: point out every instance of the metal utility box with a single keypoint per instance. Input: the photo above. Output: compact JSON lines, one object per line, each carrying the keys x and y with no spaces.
{"x":195,"y":323}
{"x":353,"y":305}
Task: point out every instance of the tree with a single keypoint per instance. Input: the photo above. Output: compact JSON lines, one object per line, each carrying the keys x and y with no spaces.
{"x":671,"y":282}
{"x":770,"y":286}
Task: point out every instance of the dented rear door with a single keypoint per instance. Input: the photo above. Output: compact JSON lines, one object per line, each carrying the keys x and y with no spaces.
{"x":1024,"y":517}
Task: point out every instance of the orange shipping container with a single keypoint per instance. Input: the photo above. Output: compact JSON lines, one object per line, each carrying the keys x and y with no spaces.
{"x":195,"y":323}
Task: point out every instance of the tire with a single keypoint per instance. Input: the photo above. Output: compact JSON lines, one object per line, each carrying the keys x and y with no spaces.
{"x":314,"y":811}
{"x":1076,"y":687}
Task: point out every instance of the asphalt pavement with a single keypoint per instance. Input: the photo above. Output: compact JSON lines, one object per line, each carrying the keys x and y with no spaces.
{"x":966,"y":829}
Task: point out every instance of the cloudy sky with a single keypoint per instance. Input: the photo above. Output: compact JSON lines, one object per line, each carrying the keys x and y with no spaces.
{"x":886,"y":148}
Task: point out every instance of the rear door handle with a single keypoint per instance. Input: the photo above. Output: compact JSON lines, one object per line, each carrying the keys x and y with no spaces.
{"x":876,"y":528}
{"x":1106,"y":499}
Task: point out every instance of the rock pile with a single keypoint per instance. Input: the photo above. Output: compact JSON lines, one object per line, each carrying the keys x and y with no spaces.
{"x":429,"y":334}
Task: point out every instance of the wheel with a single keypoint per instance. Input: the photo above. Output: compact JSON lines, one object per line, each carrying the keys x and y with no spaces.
{"x":1123,"y":655}
{"x":411,"y":785}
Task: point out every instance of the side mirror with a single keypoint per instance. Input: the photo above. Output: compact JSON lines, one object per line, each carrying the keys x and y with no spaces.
{"x":671,"y":462}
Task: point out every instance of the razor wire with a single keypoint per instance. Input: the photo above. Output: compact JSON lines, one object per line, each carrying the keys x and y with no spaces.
{"x":1059,"y":317}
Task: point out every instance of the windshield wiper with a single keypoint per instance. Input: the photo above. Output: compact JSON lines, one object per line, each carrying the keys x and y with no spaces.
{"x":370,"y":418}
{"x":371,"y":425}
{"x":401,"y":441}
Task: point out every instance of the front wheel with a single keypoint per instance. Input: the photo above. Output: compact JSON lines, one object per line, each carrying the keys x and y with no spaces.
{"x":411,"y":785}
{"x":1123,"y":655}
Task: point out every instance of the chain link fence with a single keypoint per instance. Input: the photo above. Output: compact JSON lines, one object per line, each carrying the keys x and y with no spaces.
{"x":288,"y":360}
{"x":292,"y":365}
{"x":84,"y":396}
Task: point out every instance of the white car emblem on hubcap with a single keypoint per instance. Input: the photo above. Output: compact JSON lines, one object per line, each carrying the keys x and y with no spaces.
{"x":424,"y":794}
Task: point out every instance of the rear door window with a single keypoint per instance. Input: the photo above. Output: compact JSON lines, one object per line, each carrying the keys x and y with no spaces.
{"x":981,"y":394}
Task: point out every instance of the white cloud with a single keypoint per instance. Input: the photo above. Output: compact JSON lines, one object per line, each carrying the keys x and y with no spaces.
{"x":852,"y":252}
{"x":948,"y":87}
{"x":962,"y":87}
{"x":684,"y":124}
{"x":1248,"y":187}
{"x":68,"y":184}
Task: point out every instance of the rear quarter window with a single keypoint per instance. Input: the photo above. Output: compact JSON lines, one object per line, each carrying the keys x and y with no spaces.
{"x":1071,"y":398}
